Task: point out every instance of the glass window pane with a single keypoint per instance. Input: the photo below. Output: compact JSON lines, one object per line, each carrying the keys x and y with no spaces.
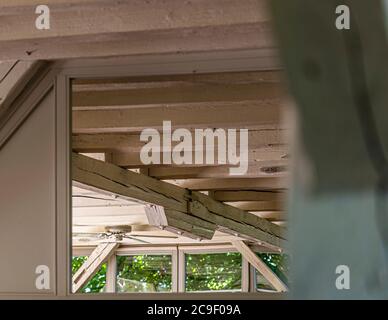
{"x":279,"y":264}
{"x":97,"y":283}
{"x":211,"y":272}
{"x":144,"y":273}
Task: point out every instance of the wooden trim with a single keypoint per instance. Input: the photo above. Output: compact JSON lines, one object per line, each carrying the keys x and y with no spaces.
{"x":163,"y":248}
{"x":207,"y":249}
{"x":27,"y":97}
{"x":63,"y":192}
{"x":15,"y":82}
{"x":245,"y":275}
{"x":252,"y":279}
{"x":153,"y":250}
{"x":175,"y":270}
{"x":181,"y":271}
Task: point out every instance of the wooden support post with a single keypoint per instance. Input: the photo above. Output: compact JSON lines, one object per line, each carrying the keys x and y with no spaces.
{"x":260,"y":266}
{"x":111,"y":274}
{"x":92,"y":264}
{"x":245,"y":275}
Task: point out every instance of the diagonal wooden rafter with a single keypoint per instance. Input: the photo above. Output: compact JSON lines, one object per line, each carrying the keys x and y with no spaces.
{"x":260,"y":265}
{"x":95,"y":174}
{"x":14,"y":75}
{"x":92,"y":264}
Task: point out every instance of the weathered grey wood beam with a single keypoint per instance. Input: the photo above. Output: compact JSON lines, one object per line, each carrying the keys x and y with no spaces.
{"x":112,"y":179}
{"x":115,"y":180}
{"x":206,"y":92}
{"x":270,"y":139}
{"x":237,"y":195}
{"x":245,"y":114}
{"x":270,"y":183}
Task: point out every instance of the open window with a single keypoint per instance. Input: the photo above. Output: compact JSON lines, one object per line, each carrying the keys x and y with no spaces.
{"x":175,"y":178}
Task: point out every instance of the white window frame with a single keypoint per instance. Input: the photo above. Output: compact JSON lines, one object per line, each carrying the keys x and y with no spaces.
{"x":236,"y":61}
{"x":178,"y":253}
{"x":183,"y":250}
{"x":132,"y":251}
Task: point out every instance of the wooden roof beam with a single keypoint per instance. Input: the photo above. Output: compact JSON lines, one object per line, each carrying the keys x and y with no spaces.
{"x":242,"y":184}
{"x":132,"y":27}
{"x":112,"y":179}
{"x":263,"y":141}
{"x":251,"y":195}
{"x":251,"y":114}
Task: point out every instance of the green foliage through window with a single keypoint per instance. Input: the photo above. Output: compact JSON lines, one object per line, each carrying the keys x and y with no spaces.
{"x":204,"y":272}
{"x":144,"y":273}
{"x":211,"y":272}
{"x":279,"y":264}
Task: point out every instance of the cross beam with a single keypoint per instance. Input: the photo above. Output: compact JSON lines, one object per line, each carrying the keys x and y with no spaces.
{"x":180,"y":205}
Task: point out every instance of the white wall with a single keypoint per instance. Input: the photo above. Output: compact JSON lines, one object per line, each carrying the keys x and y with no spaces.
{"x":27,"y":201}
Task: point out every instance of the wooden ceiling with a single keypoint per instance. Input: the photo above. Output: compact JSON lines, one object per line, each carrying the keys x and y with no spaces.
{"x":109,"y":114}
